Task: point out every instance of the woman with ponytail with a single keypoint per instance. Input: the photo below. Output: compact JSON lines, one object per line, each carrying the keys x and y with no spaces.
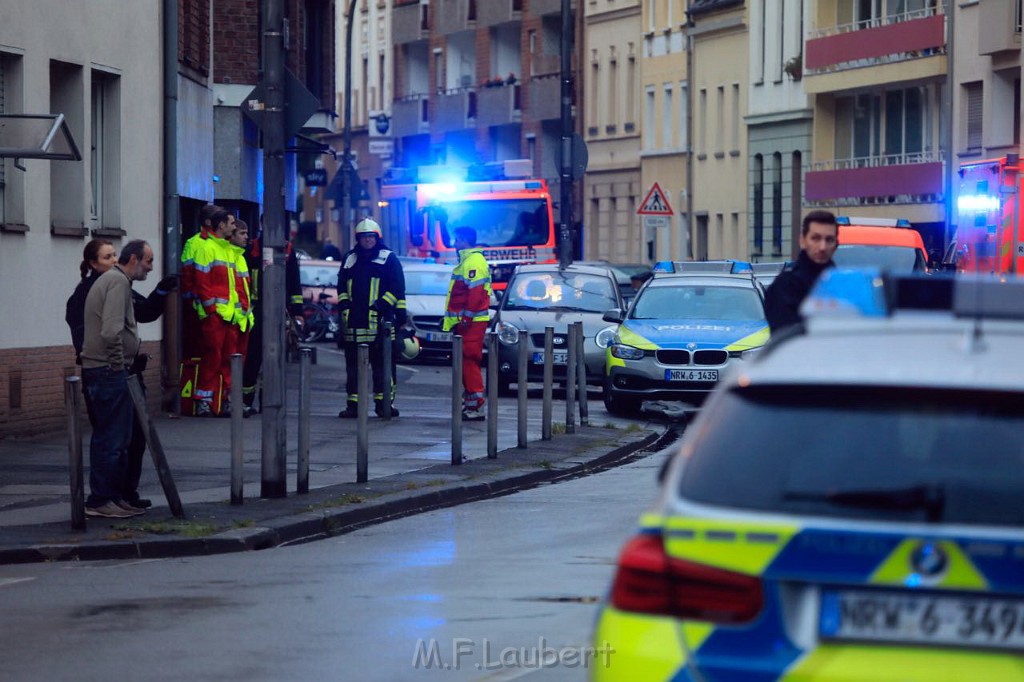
{"x":98,"y":256}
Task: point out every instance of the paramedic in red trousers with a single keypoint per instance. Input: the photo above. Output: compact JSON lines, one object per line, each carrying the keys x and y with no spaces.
{"x":217,"y":306}
{"x":371,"y":291}
{"x":191,"y":342}
{"x":244,"y":319}
{"x":466,"y":312}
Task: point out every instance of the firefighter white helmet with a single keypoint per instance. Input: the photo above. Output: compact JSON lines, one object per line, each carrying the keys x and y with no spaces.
{"x":410,"y":347}
{"x":368,"y":226}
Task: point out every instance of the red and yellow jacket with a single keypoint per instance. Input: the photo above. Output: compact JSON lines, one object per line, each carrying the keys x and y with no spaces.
{"x":214,"y":279}
{"x":469,"y":291}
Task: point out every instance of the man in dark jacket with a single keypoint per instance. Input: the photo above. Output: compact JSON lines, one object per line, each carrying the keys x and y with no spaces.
{"x":819,"y":238}
{"x":371,"y":291}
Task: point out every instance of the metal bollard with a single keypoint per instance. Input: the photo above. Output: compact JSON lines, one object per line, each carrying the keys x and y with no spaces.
{"x":522,"y":372}
{"x":237,"y":408}
{"x":305,"y":402}
{"x":570,"y":379}
{"x":456,"y":400}
{"x":492,"y":395}
{"x":581,"y":375}
{"x":71,"y":402}
{"x":549,"y":376}
{"x":362,"y":413}
{"x":387,"y":371}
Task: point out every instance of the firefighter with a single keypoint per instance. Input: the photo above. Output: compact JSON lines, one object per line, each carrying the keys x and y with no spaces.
{"x":217,"y":305}
{"x":466,"y":311}
{"x":371,"y":291}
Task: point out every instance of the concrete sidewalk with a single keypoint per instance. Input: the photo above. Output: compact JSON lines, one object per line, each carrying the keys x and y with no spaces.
{"x":409,"y":468}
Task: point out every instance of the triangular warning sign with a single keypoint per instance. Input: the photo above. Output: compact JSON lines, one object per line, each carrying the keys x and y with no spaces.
{"x":655,"y":203}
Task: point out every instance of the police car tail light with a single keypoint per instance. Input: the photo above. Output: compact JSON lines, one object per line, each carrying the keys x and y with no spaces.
{"x":649,"y":581}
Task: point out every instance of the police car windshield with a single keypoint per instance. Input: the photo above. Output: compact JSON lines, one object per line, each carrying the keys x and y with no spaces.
{"x":498,"y":222}
{"x":892,"y":454}
{"x":426,"y":283}
{"x":698,"y":303}
{"x":560,"y":291}
{"x":891,"y":258}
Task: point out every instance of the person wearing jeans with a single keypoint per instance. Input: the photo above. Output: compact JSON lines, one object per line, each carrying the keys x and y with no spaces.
{"x":111,"y":342}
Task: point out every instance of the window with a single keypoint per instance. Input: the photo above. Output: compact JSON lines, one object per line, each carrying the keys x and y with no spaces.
{"x":758,"y":204}
{"x":720,"y":113}
{"x":776,"y":203}
{"x":973,"y":92}
{"x":595,"y":94}
{"x":424,"y":16}
{"x":3,"y":162}
{"x":12,"y":182}
{"x":649,"y":142}
{"x":684,"y":117}
{"x":702,"y":137}
{"x":735,"y":117}
{"x":67,"y":180}
{"x":667,"y":118}
{"x":760,"y":24}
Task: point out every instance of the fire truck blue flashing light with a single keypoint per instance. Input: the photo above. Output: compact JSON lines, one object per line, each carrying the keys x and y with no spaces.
{"x":977,"y":203}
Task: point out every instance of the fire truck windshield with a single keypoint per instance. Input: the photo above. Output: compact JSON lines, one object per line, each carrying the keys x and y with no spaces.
{"x":893,"y":258}
{"x":498,"y":222}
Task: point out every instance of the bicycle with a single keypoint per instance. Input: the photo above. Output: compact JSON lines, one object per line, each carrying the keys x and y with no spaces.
{"x":319,"y":320}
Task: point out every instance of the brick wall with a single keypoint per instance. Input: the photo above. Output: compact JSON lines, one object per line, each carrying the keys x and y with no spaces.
{"x":32,"y":387}
{"x":194,"y":34}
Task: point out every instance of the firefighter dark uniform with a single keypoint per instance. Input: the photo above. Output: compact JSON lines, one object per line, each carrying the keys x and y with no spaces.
{"x":466,"y":312}
{"x":371,"y":291}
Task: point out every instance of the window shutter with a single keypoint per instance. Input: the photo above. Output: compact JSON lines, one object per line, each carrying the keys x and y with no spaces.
{"x":975,"y":111}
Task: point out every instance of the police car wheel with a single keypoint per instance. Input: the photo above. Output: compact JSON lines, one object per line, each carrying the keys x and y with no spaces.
{"x":619,"y":405}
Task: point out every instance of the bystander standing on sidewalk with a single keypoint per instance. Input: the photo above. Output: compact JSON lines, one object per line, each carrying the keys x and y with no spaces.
{"x":466,"y":312}
{"x":111,"y":342}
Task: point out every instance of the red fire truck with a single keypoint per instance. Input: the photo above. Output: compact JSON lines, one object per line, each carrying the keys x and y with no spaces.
{"x":512,"y":216}
{"x":989,"y":234}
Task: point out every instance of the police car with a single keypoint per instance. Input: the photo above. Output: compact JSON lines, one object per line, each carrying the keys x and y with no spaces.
{"x":846,"y":507}
{"x":688,"y":324}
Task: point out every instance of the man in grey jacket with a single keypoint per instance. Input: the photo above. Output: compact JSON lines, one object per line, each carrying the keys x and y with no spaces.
{"x":110,"y":346}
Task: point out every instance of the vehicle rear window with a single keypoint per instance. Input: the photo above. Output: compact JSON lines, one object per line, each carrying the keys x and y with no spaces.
{"x":318,"y":275}
{"x":892,"y":258}
{"x":560,"y":291}
{"x":874,"y":453}
{"x":427,"y":282}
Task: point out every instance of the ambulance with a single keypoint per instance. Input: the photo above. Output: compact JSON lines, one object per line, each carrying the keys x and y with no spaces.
{"x":989,"y":235}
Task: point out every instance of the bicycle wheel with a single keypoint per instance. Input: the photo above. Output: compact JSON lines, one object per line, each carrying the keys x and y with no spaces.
{"x":316,"y":322}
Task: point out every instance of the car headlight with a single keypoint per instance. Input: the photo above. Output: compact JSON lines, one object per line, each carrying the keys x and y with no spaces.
{"x":748,"y":354}
{"x":508,"y":333}
{"x":605,"y":337}
{"x":626,"y":352}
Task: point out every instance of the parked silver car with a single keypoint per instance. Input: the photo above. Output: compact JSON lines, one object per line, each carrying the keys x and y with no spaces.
{"x":543,"y":295}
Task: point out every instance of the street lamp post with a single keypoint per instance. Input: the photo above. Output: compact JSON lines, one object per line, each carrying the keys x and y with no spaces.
{"x":347,"y":205}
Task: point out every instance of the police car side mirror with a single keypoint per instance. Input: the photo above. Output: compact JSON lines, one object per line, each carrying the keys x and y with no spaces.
{"x":614,"y":315}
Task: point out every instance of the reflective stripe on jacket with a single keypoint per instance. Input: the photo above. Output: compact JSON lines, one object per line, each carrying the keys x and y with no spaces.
{"x":469,"y":290}
{"x":215,"y":279}
{"x":371,"y":289}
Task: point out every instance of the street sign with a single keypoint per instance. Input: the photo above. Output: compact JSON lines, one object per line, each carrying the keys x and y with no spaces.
{"x":655,"y":203}
{"x":299,"y":105}
{"x":380,"y":124}
{"x":382,"y":147}
{"x":653,"y":222}
{"x":316,"y":177}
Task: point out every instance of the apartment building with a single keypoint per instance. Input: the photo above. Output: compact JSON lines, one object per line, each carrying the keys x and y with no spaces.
{"x":779,"y":121}
{"x":59,"y":58}
{"x":877,"y":74}
{"x":233,"y":70}
{"x":720,"y":86}
{"x":665,"y":125}
{"x":612,"y":189}
{"x":478,"y":81}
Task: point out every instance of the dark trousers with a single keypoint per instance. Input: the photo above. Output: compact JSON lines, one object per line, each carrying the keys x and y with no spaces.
{"x":110,"y":408}
{"x":376,"y":370}
{"x":253,"y":362}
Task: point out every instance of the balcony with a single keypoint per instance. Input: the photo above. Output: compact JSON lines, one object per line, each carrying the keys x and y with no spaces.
{"x":495,"y":12}
{"x":539,"y":8}
{"x":907,"y":47}
{"x":896,"y":179}
{"x":410,"y":115}
{"x":407,"y":24}
{"x":545,"y":101}
{"x":453,"y":110}
{"x":999,"y":26}
{"x":499,"y":105}
{"x":454,"y":16}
